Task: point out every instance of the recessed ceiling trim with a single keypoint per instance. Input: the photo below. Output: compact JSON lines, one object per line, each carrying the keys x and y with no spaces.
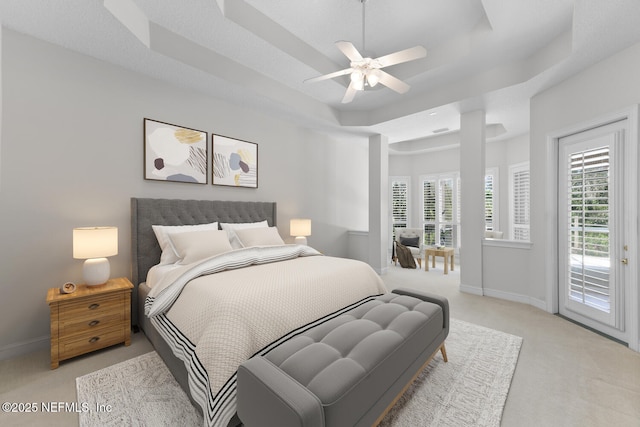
{"x":500,"y":77}
{"x":166,"y":42}
{"x":130,"y":15}
{"x":251,"y":19}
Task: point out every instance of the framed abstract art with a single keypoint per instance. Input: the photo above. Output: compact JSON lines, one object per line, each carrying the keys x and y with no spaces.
{"x":235,"y":162}
{"x":175,"y":153}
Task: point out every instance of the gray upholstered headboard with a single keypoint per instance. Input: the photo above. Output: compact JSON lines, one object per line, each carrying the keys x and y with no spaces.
{"x":145,"y":251}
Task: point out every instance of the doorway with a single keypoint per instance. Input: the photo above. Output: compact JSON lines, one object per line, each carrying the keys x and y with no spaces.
{"x":594,"y":236}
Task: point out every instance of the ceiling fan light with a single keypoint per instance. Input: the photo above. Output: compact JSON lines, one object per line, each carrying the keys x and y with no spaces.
{"x":373,"y":77}
{"x":357,"y":80}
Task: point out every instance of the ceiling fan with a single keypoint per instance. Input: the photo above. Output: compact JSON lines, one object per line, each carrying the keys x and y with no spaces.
{"x":366,"y":71}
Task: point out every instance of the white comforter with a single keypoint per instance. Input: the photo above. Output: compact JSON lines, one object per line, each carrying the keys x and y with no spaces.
{"x":222,"y":311}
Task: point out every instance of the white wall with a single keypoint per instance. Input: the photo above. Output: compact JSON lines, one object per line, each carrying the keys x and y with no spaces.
{"x":603,"y":89}
{"x":608,"y":86}
{"x":72,"y":153}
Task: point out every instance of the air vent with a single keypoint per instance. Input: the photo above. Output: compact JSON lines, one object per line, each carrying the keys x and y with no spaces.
{"x":440,"y":130}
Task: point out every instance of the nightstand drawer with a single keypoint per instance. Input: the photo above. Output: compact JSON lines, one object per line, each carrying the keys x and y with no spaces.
{"x":85,"y":326}
{"x":89,"y":309}
{"x":80,"y":344}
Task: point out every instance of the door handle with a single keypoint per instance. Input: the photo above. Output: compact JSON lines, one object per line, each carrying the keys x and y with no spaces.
{"x":625,"y":261}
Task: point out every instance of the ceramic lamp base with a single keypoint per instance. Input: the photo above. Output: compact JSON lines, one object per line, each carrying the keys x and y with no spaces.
{"x":301,"y":240}
{"x":96,"y":271}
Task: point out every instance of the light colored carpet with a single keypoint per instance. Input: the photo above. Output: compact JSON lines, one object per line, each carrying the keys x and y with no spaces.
{"x":141,"y":392}
{"x":469,"y":390}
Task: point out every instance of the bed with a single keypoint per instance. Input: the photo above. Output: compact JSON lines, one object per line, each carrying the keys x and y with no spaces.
{"x":203,"y":325}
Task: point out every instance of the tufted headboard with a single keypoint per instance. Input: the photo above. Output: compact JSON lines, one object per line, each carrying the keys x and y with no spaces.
{"x":145,"y":251}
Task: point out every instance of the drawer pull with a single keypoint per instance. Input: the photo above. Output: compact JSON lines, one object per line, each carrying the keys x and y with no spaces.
{"x":94,"y":322}
{"x":94,"y":306}
{"x":94,"y":339}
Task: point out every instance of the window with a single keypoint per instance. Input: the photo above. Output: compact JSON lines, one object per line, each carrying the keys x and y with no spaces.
{"x":491,"y":204}
{"x":399,"y":202}
{"x":519,"y":201}
{"x":440,"y":210}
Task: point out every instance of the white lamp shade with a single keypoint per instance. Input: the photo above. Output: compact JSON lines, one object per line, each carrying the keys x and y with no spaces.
{"x":373,"y":77}
{"x":300,"y":227}
{"x":95,"y":242}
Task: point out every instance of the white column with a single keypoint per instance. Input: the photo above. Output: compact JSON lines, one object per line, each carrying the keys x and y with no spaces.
{"x":472,"y":171}
{"x":378,"y":202}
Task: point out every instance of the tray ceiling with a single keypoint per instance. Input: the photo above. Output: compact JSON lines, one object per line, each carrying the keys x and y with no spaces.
{"x":490,"y":54}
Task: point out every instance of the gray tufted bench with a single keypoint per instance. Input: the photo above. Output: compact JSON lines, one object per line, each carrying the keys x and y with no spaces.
{"x":348,"y":371}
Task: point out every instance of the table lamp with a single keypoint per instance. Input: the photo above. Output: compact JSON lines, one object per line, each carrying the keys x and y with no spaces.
{"x":94,"y":245}
{"x":300,"y":228}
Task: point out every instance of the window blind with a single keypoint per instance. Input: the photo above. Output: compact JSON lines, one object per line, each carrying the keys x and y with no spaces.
{"x":519,"y":206}
{"x":400,"y":203}
{"x":588,"y":218}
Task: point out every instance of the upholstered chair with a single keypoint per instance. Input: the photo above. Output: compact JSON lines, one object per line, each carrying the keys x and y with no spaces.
{"x":407,"y":237}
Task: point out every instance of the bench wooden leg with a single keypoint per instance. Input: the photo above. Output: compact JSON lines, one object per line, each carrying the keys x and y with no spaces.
{"x":444,"y":353}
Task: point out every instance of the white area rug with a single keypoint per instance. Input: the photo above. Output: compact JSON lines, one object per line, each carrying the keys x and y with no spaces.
{"x":469,"y":390}
{"x":141,"y":392}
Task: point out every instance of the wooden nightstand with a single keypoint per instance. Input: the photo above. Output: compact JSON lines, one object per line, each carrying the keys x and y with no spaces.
{"x":91,"y":318}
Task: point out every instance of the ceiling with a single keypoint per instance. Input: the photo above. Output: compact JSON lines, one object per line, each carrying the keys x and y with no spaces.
{"x":489,"y":54}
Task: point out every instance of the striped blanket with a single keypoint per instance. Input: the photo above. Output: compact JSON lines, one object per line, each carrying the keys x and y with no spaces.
{"x":218,"y":313}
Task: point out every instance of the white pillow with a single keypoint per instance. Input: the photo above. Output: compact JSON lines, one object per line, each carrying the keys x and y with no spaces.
{"x":231,"y":227}
{"x":169,"y":255}
{"x":192,"y":246}
{"x":259,"y":236}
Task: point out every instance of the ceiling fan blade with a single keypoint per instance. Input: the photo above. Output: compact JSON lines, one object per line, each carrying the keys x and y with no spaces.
{"x":330,"y":75}
{"x":349,"y":50}
{"x":393,"y":83}
{"x":349,"y":94}
{"x":399,"y":57}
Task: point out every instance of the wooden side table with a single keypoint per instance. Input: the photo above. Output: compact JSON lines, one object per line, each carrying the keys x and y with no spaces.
{"x":446,"y":253}
{"x":91,"y":318}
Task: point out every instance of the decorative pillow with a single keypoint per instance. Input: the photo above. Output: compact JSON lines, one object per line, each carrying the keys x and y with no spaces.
{"x":192,"y":246}
{"x":169,"y":255}
{"x":259,"y":236}
{"x":410,"y":241}
{"x":231,"y":227}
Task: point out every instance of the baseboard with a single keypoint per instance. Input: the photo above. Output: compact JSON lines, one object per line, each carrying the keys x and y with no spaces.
{"x":471,"y":289}
{"x":510,"y":296}
{"x":18,"y":349}
{"x":538,"y":303}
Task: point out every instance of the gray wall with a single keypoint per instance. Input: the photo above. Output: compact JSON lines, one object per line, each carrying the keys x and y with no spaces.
{"x":72,"y":156}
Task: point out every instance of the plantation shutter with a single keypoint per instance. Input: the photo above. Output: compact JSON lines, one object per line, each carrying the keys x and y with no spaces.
{"x":520,"y":202}
{"x":446,"y":212}
{"x":400,"y":203}
{"x":429,"y":211}
{"x":589,"y":227}
{"x":488,"y":203}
